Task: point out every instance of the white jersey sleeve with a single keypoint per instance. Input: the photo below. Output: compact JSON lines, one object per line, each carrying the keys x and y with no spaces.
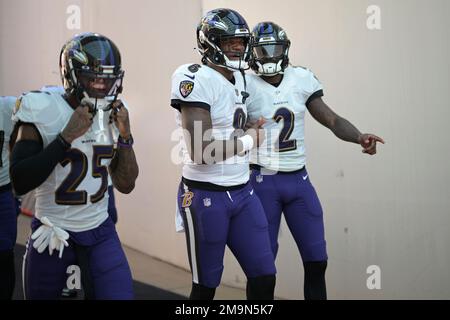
{"x":190,"y":85}
{"x":309,"y":84}
{"x":40,"y":108}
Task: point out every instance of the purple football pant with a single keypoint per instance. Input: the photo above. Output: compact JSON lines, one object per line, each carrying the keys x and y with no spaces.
{"x":8,"y":219}
{"x":294,"y":195}
{"x":107,"y":271}
{"x":214,"y":219}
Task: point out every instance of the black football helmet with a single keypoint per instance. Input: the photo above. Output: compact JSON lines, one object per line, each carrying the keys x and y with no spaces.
{"x":86,"y":60}
{"x":270,"y":49}
{"x":217,"y":25}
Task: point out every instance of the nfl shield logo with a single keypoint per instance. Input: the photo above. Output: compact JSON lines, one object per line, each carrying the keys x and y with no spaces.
{"x":259,"y":178}
{"x":207,"y":202}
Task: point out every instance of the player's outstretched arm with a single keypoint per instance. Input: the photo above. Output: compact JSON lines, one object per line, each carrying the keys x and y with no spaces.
{"x":123,"y":169}
{"x":341,"y":127}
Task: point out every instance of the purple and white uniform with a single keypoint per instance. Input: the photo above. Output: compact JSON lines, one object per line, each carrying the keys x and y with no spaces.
{"x":217,"y":205}
{"x":279,"y":176}
{"x":74,"y":198}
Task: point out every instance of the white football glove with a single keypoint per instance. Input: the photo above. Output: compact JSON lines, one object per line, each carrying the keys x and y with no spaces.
{"x":51,"y":236}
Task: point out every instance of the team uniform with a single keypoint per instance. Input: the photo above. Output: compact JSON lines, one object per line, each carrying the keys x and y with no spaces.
{"x":74,"y":198}
{"x":216,"y":204}
{"x":112,"y":209}
{"x":8,"y":205}
{"x":279,"y":176}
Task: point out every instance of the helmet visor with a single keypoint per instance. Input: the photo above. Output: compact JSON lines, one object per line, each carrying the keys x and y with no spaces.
{"x":103,"y":51}
{"x":268,"y":51}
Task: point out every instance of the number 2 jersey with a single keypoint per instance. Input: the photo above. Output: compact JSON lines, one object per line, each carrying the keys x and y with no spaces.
{"x":74,"y":196}
{"x":284,"y":108}
{"x":205,"y":87}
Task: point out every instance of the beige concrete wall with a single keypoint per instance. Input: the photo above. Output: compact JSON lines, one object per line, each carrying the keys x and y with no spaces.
{"x":390,"y":210}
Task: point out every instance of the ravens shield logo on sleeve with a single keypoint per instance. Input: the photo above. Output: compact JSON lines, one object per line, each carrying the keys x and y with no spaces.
{"x":186,"y":88}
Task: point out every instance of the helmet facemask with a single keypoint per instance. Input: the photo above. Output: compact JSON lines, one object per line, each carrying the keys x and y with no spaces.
{"x":231,"y":60}
{"x":99,"y":89}
{"x":270,"y":58}
{"x":269,"y":49}
{"x":218,"y":26}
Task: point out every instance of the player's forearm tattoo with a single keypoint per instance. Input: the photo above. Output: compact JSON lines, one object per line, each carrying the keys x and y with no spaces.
{"x":124,"y":170}
{"x":344,"y":130}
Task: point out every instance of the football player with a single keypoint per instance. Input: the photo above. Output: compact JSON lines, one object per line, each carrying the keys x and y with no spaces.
{"x":8,"y":208}
{"x":281,"y":94}
{"x":217,"y":204}
{"x":65,"y":151}
{"x":112,"y":209}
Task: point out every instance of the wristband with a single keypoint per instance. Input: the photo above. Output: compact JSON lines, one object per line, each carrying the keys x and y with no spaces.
{"x":247,"y":143}
{"x":128,"y":143}
{"x":63,"y":142}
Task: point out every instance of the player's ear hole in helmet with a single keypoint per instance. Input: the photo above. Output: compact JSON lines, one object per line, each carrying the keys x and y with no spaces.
{"x":223,"y":39}
{"x":91,"y":69}
{"x":269,"y":49}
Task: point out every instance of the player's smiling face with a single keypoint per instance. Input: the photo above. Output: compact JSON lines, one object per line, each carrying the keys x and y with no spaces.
{"x":234,"y":48}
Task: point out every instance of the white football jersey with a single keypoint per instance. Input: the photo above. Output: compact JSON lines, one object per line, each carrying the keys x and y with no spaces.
{"x":204,"y":86}
{"x":74,"y":196}
{"x":283,"y":108}
{"x":6,"y":110}
{"x":60,"y":90}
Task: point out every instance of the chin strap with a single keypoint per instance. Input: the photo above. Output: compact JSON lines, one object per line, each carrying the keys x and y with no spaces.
{"x":242,"y":63}
{"x":91,"y":103}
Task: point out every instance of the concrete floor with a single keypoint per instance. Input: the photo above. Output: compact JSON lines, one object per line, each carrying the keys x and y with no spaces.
{"x":150,"y":270}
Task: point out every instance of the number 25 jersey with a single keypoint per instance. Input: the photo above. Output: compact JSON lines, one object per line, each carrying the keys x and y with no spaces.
{"x":74,"y":196}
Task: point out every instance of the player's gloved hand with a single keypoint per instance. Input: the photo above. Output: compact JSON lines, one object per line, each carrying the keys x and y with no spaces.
{"x":51,"y":236}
